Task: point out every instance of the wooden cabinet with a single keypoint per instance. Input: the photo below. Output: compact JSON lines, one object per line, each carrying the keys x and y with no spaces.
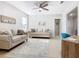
{"x":70,"y":49}
{"x":65,"y":49}
{"x":77,"y":51}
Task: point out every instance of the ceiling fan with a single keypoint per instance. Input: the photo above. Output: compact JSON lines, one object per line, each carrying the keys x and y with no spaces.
{"x":42,"y":5}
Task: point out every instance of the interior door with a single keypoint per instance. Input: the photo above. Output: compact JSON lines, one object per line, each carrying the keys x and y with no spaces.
{"x":57,"y":27}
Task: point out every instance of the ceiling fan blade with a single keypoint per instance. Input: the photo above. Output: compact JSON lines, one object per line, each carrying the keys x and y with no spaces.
{"x":45,"y":5}
{"x":61,"y":2}
{"x":45,"y":9}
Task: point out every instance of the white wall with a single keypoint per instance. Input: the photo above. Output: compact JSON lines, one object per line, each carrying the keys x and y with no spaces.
{"x":48,"y":19}
{"x":66,"y":9}
{"x":11,"y":11}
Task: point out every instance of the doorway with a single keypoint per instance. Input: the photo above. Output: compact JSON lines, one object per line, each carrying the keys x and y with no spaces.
{"x":57,"y":27}
{"x":72,"y":22}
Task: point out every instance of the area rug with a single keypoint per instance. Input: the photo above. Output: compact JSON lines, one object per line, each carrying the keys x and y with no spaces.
{"x":34,"y":48}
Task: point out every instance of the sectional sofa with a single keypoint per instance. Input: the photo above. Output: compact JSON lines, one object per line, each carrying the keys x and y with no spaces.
{"x":8,"y":40}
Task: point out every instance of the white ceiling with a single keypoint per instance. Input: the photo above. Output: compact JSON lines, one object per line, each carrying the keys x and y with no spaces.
{"x":27,"y":6}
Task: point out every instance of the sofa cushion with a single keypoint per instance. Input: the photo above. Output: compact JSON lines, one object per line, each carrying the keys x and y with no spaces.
{"x":18,"y":37}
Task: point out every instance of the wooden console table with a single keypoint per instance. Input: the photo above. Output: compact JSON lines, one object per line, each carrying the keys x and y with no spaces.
{"x":70,"y":49}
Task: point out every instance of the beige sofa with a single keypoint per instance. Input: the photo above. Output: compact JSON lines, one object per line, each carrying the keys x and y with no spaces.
{"x":40,"y":34}
{"x":9,"y":41}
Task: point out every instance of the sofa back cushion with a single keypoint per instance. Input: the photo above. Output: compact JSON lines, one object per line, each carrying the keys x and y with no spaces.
{"x":4,"y":33}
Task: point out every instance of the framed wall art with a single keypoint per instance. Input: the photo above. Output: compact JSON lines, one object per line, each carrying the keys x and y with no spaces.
{"x":6,"y":19}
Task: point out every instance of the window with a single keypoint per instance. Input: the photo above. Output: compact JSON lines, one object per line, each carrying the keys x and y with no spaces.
{"x":24,"y":23}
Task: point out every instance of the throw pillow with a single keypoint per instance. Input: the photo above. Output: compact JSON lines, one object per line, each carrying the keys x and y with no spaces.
{"x":32,"y":30}
{"x":13,"y":32}
{"x":20,"y":32}
{"x":65,"y":35}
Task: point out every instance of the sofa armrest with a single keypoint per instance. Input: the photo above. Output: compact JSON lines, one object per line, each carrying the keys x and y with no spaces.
{"x":5,"y":37}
